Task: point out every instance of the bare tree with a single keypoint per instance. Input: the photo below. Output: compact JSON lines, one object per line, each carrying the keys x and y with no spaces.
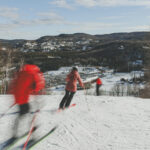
{"x":145,"y":93}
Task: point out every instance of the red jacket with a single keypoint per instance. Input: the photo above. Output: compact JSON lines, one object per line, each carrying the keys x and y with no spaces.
{"x":98,"y":81}
{"x":28,"y":80}
{"x":72,"y":81}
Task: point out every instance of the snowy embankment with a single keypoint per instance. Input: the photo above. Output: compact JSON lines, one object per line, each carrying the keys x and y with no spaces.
{"x":95,"y":123}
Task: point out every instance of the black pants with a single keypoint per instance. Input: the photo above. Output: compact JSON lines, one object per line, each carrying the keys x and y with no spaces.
{"x":23,"y":109}
{"x":97,"y":89}
{"x":66,"y":99}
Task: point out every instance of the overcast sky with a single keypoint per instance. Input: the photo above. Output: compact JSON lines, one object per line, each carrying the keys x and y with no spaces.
{"x":31,"y":19}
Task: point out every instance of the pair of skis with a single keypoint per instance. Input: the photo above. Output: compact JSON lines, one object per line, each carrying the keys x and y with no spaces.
{"x":7,"y":145}
{"x":11,"y":142}
{"x":54,"y":111}
{"x":32,"y":143}
{"x":29,"y":144}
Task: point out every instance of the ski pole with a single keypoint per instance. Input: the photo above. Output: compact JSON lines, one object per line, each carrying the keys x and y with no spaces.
{"x":86,"y":99}
{"x":31,"y":130}
{"x":2,"y":115}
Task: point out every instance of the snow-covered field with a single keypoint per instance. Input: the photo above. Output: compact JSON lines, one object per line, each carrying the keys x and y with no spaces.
{"x":95,"y":123}
{"x":109,"y":79}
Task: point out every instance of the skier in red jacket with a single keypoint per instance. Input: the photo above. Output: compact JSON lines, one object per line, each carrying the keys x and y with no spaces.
{"x":98,"y":85}
{"x":71,"y":87}
{"x":28,"y":80}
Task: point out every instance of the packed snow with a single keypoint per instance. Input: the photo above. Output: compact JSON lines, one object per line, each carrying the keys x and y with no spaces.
{"x":95,"y":123}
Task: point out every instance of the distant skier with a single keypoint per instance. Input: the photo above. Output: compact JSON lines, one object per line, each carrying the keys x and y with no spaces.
{"x":28,"y":80}
{"x":71,"y":87}
{"x":98,"y":85}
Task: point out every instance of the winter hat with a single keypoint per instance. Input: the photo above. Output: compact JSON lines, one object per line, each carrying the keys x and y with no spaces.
{"x":75,"y":68}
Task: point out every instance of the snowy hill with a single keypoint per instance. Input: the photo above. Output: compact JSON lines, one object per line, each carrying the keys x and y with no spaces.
{"x":95,"y":123}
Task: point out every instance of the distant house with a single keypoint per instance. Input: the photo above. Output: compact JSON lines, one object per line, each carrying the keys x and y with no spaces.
{"x":77,"y":64}
{"x":146,"y":47}
{"x":84,"y":48}
{"x":137,"y":63}
{"x":121,"y":47}
{"x":30,"y":44}
{"x":3,"y":48}
{"x":24,"y":50}
{"x":52,"y":57}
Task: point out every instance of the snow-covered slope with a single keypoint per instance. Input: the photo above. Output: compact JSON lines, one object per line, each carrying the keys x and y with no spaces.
{"x":95,"y":123}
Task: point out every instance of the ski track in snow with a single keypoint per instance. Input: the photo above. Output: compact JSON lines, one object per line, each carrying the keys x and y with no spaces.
{"x":95,"y":123}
